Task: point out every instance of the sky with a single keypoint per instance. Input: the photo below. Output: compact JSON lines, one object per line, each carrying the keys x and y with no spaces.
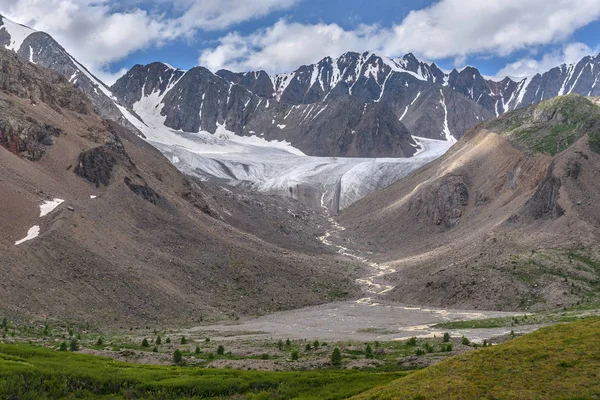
{"x":499,"y":37}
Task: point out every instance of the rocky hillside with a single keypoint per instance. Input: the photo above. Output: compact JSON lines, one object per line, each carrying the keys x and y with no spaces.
{"x":97,"y":225}
{"x":507,"y":219}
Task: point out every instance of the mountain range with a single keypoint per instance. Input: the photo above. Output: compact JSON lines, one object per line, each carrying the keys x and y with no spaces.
{"x":356,"y":105}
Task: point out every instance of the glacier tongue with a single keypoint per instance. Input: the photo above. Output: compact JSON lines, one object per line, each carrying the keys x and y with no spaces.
{"x":275,"y":166}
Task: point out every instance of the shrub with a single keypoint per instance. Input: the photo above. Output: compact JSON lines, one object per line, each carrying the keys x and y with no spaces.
{"x":420,"y":352}
{"x":446,"y":337}
{"x":197,"y":351}
{"x":368,"y":351}
{"x":220,"y":350}
{"x":158,"y":340}
{"x":207,"y":340}
{"x":100,"y":342}
{"x":155,"y":349}
{"x":336,"y":357}
{"x":145,"y":343}
{"x":428,"y":347}
{"x":280,"y":344}
{"x":308,"y":347}
{"x":168,"y":340}
{"x":412,"y":341}
{"x":63,"y":347}
{"x":447,"y":348}
{"x":295,"y":355}
{"x":183,"y":340}
{"x":74,"y":346}
{"x":465,"y":341}
{"x":288,"y":343}
{"x":177,"y":357}
{"x":316,"y":344}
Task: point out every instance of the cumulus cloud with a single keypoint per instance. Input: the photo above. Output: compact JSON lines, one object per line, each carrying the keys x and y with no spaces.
{"x":568,"y":54}
{"x":447,"y":29}
{"x":286,"y":45}
{"x":98,"y":32}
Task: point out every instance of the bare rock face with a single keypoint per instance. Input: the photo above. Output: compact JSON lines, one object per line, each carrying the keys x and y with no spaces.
{"x":443,"y":203}
{"x":544,"y":203}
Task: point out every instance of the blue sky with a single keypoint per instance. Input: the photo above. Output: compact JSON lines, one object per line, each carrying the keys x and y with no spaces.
{"x":509,"y":37}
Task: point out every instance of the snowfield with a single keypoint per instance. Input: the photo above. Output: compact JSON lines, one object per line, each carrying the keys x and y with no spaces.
{"x":275,"y":166}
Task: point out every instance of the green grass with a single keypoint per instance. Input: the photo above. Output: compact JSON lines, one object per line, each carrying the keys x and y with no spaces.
{"x":28,"y":372}
{"x":551,"y":126}
{"x":557,"y":362}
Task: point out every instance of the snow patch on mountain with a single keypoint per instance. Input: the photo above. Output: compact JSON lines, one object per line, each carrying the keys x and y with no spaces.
{"x":18,"y":33}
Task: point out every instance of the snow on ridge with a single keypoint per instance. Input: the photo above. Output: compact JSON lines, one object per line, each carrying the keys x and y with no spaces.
{"x":18,"y":33}
{"x":49,"y":205}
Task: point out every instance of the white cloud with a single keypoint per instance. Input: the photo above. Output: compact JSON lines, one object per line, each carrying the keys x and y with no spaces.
{"x":568,"y":54}
{"x":285,"y":46}
{"x":452,"y":28}
{"x":448,"y":28}
{"x":97,"y":33}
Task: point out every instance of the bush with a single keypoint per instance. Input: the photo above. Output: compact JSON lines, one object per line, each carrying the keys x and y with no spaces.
{"x":295,"y":355}
{"x":420,"y":352}
{"x":177,"y":357}
{"x":168,"y":340}
{"x":465,"y":341}
{"x":264,"y":356}
{"x":368,"y":351}
{"x":100,"y":342}
{"x":308,"y":347}
{"x":280,"y":344}
{"x":336,"y":357}
{"x":446,"y":337}
{"x":145,"y":343}
{"x":412,"y":341}
{"x":183,"y":340}
{"x":428,"y":347}
{"x":316,"y":344}
{"x":197,"y":350}
{"x":155,"y":349}
{"x":447,"y":348}
{"x":288,"y":343}
{"x":63,"y":347}
{"x":207,"y":340}
{"x":158,"y":340}
{"x":220,"y":350}
{"x":74,"y":346}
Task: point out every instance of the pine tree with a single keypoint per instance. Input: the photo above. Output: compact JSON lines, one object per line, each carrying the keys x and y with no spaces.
{"x":336,"y":357}
{"x":177,"y":357}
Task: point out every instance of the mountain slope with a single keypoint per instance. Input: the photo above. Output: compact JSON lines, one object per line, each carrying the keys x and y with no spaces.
{"x":41,"y":49}
{"x":555,"y":362}
{"x":507,"y":219}
{"x":198,"y":100}
{"x":134,"y":240}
